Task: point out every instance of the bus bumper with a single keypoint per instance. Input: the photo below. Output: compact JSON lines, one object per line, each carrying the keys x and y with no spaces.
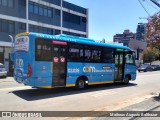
{"x":22,"y":80}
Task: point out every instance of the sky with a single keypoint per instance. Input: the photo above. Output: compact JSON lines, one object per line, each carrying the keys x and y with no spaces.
{"x":109,"y":17}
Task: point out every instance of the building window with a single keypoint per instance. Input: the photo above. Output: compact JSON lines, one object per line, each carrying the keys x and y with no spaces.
{"x":57,"y":12}
{"x":7,"y":3}
{"x":7,"y":26}
{"x":22,"y":27}
{"x":40,"y":9}
{"x":11,"y":27}
{"x":67,"y":17}
{"x":57,"y":32}
{"x":22,"y":2}
{"x":31,"y":7}
{"x":4,"y":26}
{"x":10,"y":3}
{"x":36,"y":8}
{"x":45,"y":11}
{"x":33,"y":28}
{"x":4,"y":2}
{"x":49,"y":12}
{"x":84,"y":19}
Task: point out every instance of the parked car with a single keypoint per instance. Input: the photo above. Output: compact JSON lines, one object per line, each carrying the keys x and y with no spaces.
{"x":3,"y":71}
{"x":158,"y":67}
{"x":155,"y":67}
{"x":145,"y":68}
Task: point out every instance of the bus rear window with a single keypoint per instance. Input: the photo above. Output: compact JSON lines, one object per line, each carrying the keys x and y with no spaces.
{"x":43,"y":50}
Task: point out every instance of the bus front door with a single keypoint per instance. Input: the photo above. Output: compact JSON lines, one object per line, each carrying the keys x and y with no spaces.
{"x":59,"y":65}
{"x":119,"y":66}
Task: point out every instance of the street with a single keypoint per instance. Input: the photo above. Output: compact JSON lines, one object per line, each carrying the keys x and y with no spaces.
{"x":17,"y":97}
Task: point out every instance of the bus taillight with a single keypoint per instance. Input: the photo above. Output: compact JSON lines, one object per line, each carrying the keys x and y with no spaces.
{"x":29,"y":70}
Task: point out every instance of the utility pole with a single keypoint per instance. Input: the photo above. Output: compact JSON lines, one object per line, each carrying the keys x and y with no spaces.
{"x":155,"y":2}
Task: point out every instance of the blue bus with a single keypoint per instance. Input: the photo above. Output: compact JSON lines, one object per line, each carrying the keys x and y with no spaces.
{"x":48,"y":61}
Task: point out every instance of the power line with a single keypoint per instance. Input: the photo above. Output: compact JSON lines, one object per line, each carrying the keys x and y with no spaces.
{"x":152,"y":5}
{"x":144,"y":8}
{"x":155,"y":2}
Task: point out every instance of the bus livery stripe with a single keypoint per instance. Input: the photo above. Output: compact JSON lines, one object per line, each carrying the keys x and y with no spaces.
{"x":96,"y":83}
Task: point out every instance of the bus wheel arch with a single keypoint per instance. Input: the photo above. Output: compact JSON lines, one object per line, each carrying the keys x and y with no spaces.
{"x":81,"y":82}
{"x":127,"y":78}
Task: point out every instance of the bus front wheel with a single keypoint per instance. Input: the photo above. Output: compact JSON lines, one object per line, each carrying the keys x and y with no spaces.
{"x":80,"y":83}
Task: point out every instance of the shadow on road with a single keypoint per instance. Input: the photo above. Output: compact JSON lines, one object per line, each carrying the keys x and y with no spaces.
{"x":37,"y":94}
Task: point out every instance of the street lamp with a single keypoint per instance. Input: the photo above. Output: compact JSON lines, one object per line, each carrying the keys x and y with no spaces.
{"x":12,"y":40}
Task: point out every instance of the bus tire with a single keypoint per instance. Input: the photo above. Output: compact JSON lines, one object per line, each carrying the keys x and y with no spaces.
{"x":126,"y":80}
{"x":80,"y":83}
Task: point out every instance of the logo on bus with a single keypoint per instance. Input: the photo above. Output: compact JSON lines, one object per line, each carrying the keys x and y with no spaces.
{"x":93,"y":69}
{"x":89,"y":69}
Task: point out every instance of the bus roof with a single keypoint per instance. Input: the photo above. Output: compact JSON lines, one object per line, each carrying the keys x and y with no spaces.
{"x":74,"y":39}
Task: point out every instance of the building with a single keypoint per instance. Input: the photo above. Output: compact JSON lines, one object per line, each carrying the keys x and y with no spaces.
{"x":124,"y":38}
{"x":138,"y":46}
{"x":44,"y":16}
{"x":140,"y":32}
{"x":135,"y":41}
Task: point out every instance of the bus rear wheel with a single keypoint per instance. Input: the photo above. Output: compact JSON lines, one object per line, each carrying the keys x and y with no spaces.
{"x":80,"y":83}
{"x":126,"y":80}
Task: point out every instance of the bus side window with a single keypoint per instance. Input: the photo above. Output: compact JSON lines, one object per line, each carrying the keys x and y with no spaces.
{"x":43,"y":50}
{"x":38,"y":52}
{"x":96,"y":55}
{"x":75,"y":53}
{"x":87,"y":55}
{"x":129,"y":59}
{"x":107,"y":55}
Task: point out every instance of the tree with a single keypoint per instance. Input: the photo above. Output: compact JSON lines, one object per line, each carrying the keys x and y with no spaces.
{"x":153,"y":33}
{"x":148,"y":55}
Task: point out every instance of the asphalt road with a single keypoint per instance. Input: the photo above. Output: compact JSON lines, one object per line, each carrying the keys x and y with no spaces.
{"x":17,"y":97}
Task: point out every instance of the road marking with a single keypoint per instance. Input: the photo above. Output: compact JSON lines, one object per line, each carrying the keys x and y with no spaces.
{"x":7,"y":81}
{"x":15,"y":88}
{"x":102,"y":93}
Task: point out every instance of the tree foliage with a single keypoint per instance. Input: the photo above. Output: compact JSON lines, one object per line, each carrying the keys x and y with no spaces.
{"x":153,"y":28}
{"x":153,"y":33}
{"x":148,"y":55}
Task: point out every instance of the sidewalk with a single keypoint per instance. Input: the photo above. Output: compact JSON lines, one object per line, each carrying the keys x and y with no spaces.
{"x":151,"y":104}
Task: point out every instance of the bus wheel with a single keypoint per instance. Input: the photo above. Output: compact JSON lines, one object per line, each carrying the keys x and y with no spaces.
{"x":80,"y":83}
{"x":126,"y":80}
